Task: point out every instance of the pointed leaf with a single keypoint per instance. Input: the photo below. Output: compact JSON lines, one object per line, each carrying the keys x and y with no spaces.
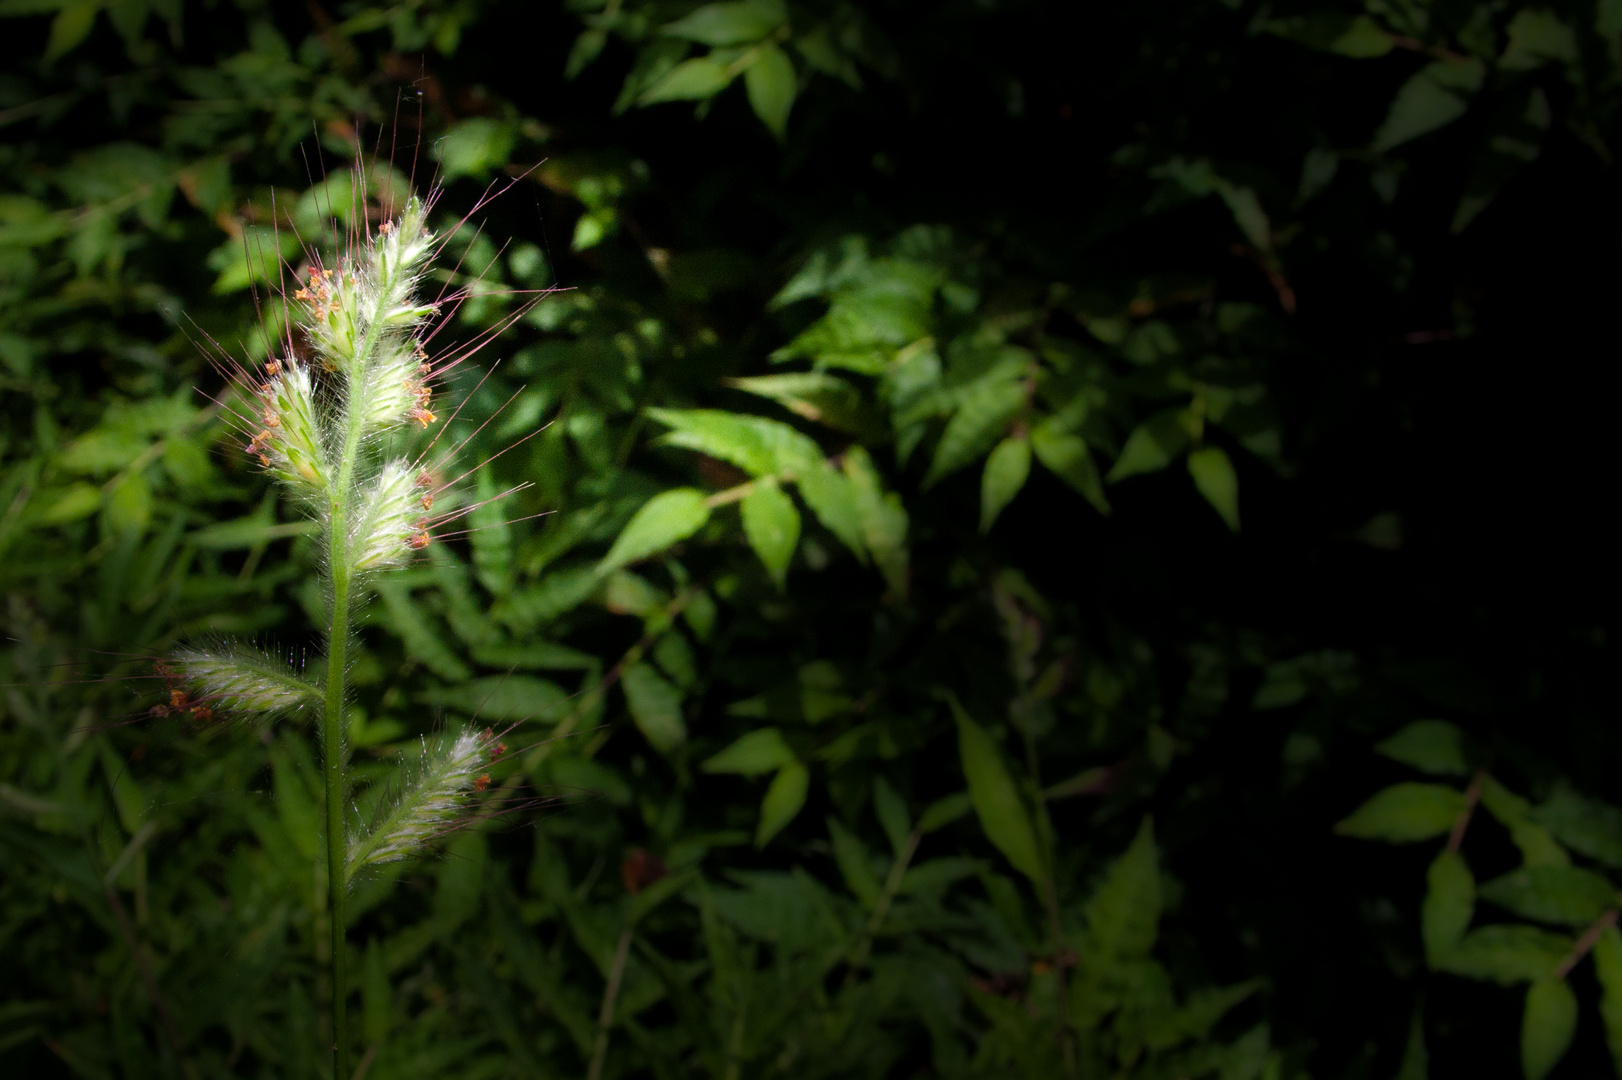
{"x":1547,"y":1026}
{"x":771,"y":87}
{"x":1006,"y":470}
{"x":1433,"y":746}
{"x":1404,"y":813}
{"x":1608,"y":969}
{"x":757,"y":752}
{"x":690,"y":80}
{"x":1214,"y":477}
{"x":655,"y":706}
{"x":1153,"y":445}
{"x":985,"y":409}
{"x":1066,"y":456}
{"x":1450,"y":902}
{"x":665,"y":519}
{"x":772,"y":525}
{"x":1568,"y":895}
{"x":996,"y":800}
{"x":783,"y":801}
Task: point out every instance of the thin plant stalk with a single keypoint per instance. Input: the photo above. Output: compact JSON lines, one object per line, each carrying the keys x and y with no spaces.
{"x":317,"y":429}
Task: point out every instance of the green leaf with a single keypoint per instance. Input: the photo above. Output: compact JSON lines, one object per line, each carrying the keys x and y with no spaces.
{"x":944,"y":811}
{"x":503,"y":697}
{"x":1435,"y":97}
{"x":690,"y":80}
{"x":70,"y":27}
{"x":1153,"y":445}
{"x":985,"y":409}
{"x":73,"y":503}
{"x":1415,"y":1058}
{"x":655,"y":706}
{"x":1585,"y":825}
{"x":1214,"y":477}
{"x":1506,"y":954}
{"x":1608,"y":970}
{"x":1547,"y":1026}
{"x":892,"y":813}
{"x":129,"y":506}
{"x":754,"y":444}
{"x":586,"y":48}
{"x":1066,"y":456}
{"x":1404,"y":813}
{"x":1007,"y":468}
{"x":834,"y":499}
{"x":1123,"y":915}
{"x":783,"y":801}
{"x":476,"y":147}
{"x":1449,"y":905}
{"x":730,"y":23}
{"x":996,"y":800}
{"x":1537,"y":37}
{"x":770,"y":84}
{"x":883,"y":519}
{"x":1537,"y":844}
{"x":421,"y":639}
{"x":854,"y":865}
{"x":755,"y":753}
{"x":1568,"y":895}
{"x":815,"y":395}
{"x":1432,"y":746}
{"x":772,"y":525}
{"x":665,"y":519}
{"x":377,"y":1000}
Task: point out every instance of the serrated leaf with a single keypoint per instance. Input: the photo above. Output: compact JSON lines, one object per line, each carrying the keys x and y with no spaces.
{"x":783,"y":801}
{"x":421,"y":639}
{"x":1432,"y":746}
{"x":754,"y":444}
{"x":1568,"y":895}
{"x":755,"y":753}
{"x":883,"y":519}
{"x":985,"y":409}
{"x":1007,"y":468}
{"x":1153,"y":445}
{"x":1404,"y":813}
{"x":1214,"y":478}
{"x":690,"y":80}
{"x":1608,"y":970}
{"x":1067,"y":457}
{"x":655,"y":705}
{"x":1450,"y":901}
{"x":666,"y":519}
{"x":1547,"y":1026}
{"x":996,"y":800}
{"x":772,"y":525}
{"x":771,"y":86}
{"x":1506,"y":954}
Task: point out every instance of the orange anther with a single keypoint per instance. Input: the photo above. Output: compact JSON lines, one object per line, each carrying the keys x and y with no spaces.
{"x":202,"y":712}
{"x":482,"y":782}
{"x":418,"y":541}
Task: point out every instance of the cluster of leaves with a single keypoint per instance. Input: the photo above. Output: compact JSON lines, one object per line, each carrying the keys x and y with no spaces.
{"x":855,"y":779}
{"x":1546,"y":888}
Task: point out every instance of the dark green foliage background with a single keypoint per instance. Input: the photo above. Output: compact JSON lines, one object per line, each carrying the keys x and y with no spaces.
{"x":1359,"y":262}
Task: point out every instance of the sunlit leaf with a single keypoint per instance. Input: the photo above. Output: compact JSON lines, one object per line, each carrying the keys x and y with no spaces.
{"x":666,"y":519}
{"x":772,"y":524}
{"x":771,"y":87}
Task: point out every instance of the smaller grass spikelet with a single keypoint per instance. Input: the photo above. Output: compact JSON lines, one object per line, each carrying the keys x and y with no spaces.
{"x":429,"y":801}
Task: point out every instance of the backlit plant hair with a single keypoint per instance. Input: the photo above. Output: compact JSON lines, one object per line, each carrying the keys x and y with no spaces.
{"x":317,"y":425}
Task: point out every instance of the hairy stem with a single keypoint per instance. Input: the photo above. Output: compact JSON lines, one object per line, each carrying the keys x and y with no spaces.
{"x":336,"y":771}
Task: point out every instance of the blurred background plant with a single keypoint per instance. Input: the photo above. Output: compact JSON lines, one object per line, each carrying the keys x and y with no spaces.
{"x":1016,"y":478}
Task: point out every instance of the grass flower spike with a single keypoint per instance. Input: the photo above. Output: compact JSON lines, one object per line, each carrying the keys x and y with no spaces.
{"x":355,"y":367}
